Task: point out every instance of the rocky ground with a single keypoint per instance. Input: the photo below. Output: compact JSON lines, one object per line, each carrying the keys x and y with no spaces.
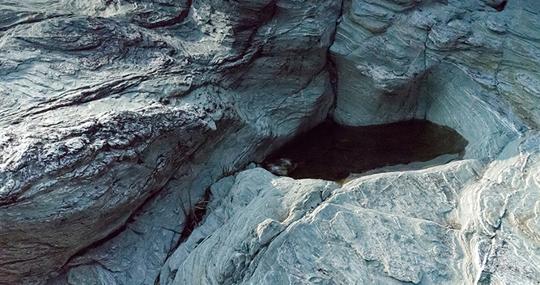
{"x":119,"y":116}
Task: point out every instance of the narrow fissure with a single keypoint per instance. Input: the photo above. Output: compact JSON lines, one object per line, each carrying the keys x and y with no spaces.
{"x":194,"y":216}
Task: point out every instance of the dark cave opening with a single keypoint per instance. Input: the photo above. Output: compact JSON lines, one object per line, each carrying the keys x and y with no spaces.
{"x":332,"y":152}
{"x":500,"y":7}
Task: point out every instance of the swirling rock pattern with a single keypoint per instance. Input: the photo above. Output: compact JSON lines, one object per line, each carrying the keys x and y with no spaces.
{"x":460,"y":223}
{"x":109,"y":104}
{"x":322,"y":233}
{"x":118,"y":115}
{"x":469,"y":65}
{"x":463,"y":64}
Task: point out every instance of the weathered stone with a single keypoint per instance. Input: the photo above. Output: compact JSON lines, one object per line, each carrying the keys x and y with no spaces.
{"x":474,"y":221}
{"x":452,"y":62}
{"x":109,"y":104}
{"x":118,"y":118}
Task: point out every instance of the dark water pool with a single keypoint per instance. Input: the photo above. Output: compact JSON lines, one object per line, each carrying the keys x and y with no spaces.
{"x":332,"y":152}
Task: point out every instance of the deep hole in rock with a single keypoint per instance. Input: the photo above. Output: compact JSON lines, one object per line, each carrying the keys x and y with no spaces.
{"x":499,"y":7}
{"x":331,"y":151}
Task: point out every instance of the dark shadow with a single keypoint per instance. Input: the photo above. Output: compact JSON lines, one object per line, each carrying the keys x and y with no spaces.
{"x":195,"y":216}
{"x":331,"y":151}
{"x":499,"y":7}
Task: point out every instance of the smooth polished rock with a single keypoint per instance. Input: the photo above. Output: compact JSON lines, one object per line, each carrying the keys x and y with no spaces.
{"x":118,"y":116}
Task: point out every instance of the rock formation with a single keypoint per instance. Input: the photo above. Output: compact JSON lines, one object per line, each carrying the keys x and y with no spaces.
{"x":118,"y":116}
{"x":111,"y":108}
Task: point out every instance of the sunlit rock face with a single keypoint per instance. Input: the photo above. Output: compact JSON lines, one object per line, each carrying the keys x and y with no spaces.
{"x":109,"y":104}
{"x":472,"y":66}
{"x":465,"y":222}
{"x":380,"y":229}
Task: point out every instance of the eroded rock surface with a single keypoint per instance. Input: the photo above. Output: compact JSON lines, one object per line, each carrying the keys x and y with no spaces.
{"x":462,"y":64}
{"x":459,"y":223}
{"x":118,"y":115}
{"x":107,"y":104}
{"x":469,"y":65}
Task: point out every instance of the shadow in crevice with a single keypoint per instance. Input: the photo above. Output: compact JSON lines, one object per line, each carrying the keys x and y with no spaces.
{"x":332,"y":152}
{"x":500,"y":7}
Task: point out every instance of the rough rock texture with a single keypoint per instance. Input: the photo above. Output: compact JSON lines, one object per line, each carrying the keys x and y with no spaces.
{"x":473,"y":66}
{"x":460,"y":223}
{"x":109,"y":104}
{"x":327,"y":234}
{"x":118,"y":115}
{"x":469,"y":65}
{"x":463,"y":64}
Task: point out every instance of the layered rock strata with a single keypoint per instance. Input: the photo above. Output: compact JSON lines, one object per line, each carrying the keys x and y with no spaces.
{"x":117,"y":116}
{"x":469,"y":65}
{"x":111,"y":108}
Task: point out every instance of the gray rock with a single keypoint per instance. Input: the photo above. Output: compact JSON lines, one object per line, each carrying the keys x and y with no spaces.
{"x":473,"y":221}
{"x":257,"y":208}
{"x":459,"y":223}
{"x":455,"y":63}
{"x":120,"y":118}
{"x":111,"y":108}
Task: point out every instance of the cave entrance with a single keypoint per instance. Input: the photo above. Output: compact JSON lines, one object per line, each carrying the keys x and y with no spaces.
{"x":332,"y":152}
